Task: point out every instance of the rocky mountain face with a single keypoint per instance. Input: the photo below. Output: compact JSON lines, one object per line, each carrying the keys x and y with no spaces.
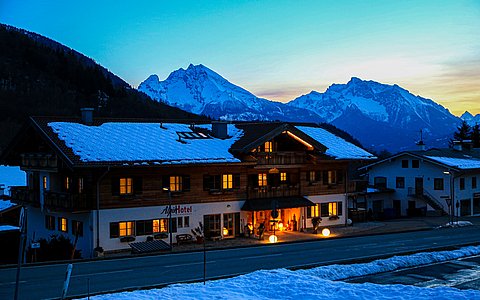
{"x":202,"y":91}
{"x":391,"y":117}
{"x":382,"y":117}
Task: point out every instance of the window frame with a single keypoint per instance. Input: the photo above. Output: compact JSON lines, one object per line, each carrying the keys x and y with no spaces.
{"x":415,"y":164}
{"x":49,"y":222}
{"x":80,"y":227}
{"x":262,"y":180}
{"x":438,"y":184}
{"x":405,"y":163}
{"x":399,"y":182}
{"x":127,"y":186}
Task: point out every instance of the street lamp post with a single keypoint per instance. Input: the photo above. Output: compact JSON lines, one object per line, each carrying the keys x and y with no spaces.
{"x":169,"y":215}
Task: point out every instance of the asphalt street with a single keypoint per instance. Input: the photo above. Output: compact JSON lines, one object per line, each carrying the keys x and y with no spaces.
{"x":46,"y":281}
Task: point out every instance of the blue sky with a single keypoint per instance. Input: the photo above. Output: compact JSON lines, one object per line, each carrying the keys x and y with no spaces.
{"x":276,"y":49}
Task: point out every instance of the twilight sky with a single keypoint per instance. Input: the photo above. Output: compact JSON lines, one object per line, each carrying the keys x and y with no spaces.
{"x":276,"y":49}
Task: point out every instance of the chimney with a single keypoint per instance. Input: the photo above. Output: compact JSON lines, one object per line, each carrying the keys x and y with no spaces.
{"x":87,"y":115}
{"x":421,"y":146}
{"x":219,"y":129}
{"x":457,"y":145}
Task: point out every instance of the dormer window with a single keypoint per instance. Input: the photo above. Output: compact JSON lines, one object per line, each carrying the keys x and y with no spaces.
{"x":268,"y":147}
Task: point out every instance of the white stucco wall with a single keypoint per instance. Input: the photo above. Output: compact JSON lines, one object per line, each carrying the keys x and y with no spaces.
{"x":325,"y":199}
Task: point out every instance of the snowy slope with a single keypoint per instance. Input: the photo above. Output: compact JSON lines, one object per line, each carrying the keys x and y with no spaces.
{"x":202,"y":91}
{"x":316,"y":283}
{"x":390,"y":109}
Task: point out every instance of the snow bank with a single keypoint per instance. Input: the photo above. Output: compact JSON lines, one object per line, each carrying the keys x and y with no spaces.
{"x":314,"y":283}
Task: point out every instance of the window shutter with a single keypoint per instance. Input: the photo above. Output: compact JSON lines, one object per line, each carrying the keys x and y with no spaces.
{"x":308,"y":176}
{"x":325,"y":177}
{"x":137,"y":185}
{"x":166,"y":182}
{"x":217,"y":182}
{"x":339,"y":208}
{"x":186,"y":183}
{"x":115,"y":186}
{"x":236,"y":181}
{"x":318,"y":176}
{"x":114,"y":230}
{"x":253,"y":180}
{"x":324,"y":210}
{"x":340,"y":176}
{"x":207,"y":182}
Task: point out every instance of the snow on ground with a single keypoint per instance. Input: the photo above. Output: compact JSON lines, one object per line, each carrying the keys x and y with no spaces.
{"x":315,"y":283}
{"x":457,"y":224}
{"x":12,"y":176}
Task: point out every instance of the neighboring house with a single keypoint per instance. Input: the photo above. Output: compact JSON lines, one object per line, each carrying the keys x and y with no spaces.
{"x":424,"y":182}
{"x":110,"y":182}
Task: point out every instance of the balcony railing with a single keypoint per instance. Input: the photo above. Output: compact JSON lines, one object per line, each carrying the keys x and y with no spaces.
{"x":271,"y":191}
{"x":67,"y":201}
{"x":39,"y":160}
{"x":280,"y":158}
{"x":22,"y":195}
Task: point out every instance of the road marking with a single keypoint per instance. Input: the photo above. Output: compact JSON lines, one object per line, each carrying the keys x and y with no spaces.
{"x":103,"y":273}
{"x":189,"y":264}
{"x":261,"y":256}
{"x":13,"y":282}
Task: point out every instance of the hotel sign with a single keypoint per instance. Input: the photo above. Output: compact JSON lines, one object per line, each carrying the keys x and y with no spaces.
{"x":178,"y":210}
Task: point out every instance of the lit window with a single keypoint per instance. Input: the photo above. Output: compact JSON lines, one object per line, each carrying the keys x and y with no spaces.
{"x":125,"y":186}
{"x":62,"y":224}
{"x":45,"y":182}
{"x":156,"y":226}
{"x":268,"y":147}
{"x":125,"y":228}
{"x":163,"y":225}
{"x":312,"y":211}
{"x":312,"y":176}
{"x":283,"y":176}
{"x":332,"y":177}
{"x":333,"y":209}
{"x":67,"y":183}
{"x":175,"y":183}
{"x":80,"y":185}
{"x":227,"y":181}
{"x":262,"y":179}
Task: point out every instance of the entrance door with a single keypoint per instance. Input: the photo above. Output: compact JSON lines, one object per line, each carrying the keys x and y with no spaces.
{"x":419,"y":186}
{"x":397,"y":208}
{"x":228,"y":225}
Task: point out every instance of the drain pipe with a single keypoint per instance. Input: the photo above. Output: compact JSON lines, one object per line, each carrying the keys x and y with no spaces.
{"x":98,"y":206}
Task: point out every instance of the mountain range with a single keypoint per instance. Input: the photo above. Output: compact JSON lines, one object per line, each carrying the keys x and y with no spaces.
{"x":381,"y":116}
{"x":470,"y":119}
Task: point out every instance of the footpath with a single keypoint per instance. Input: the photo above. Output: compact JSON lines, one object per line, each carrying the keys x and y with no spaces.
{"x":358,"y":229}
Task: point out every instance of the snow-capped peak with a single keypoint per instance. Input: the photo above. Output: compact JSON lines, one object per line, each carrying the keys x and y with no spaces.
{"x":470,"y":119}
{"x":201,"y":90}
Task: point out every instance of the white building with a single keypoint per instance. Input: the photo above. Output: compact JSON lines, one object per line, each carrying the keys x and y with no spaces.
{"x":424,"y":182}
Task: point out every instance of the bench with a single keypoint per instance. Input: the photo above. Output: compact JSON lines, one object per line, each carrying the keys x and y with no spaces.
{"x":184,"y":238}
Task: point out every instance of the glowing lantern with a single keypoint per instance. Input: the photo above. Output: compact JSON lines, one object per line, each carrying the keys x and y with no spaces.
{"x":273,"y":238}
{"x":280,"y":226}
{"x":326,"y":232}
{"x":225,"y":231}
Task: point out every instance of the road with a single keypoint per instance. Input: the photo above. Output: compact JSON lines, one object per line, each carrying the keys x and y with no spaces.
{"x":43,"y":282}
{"x":462,"y":273}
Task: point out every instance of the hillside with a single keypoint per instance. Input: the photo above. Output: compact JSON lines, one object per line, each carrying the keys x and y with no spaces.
{"x":39,"y":76}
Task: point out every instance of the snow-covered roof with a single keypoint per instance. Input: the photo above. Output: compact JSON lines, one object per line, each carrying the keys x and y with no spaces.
{"x":460,"y":163}
{"x":8,"y":228}
{"x":336,"y":146}
{"x":6,"y":204}
{"x":144,"y":142}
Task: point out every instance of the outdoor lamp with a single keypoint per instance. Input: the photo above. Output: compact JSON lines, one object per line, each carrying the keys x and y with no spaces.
{"x":273,"y":238}
{"x":326,"y":232}
{"x":225,"y":231}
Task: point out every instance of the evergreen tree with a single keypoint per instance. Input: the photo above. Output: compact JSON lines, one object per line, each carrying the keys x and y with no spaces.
{"x":475,"y":136}
{"x":464,"y":132}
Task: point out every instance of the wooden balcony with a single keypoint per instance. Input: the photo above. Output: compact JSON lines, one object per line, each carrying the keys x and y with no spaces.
{"x":67,"y":201}
{"x":39,"y":160}
{"x":280,"y":158}
{"x":23,"y":196}
{"x":273,"y":192}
